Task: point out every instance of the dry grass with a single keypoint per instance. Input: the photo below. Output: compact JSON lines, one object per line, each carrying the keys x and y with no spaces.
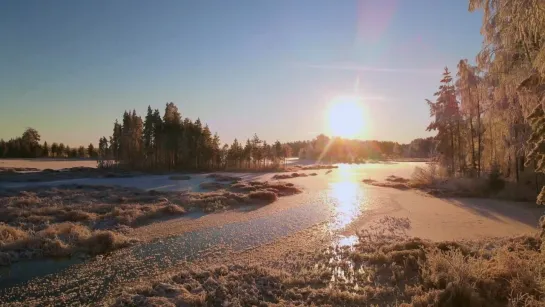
{"x":385,"y":268}
{"x":212,"y":185}
{"x":289,"y":176}
{"x":397,"y":179}
{"x":268,"y":196}
{"x":58,"y":222}
{"x":433,"y":180}
{"x":61,"y":221}
{"x":97,"y":207}
{"x":57,"y":240}
{"x":295,"y":168}
{"x":223,"y":177}
{"x":319,"y":167}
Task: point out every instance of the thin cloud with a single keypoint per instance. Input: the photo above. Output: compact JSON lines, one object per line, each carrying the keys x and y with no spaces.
{"x":350,"y":67}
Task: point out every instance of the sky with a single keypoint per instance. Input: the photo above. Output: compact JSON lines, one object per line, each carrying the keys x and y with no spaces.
{"x":69,"y":68}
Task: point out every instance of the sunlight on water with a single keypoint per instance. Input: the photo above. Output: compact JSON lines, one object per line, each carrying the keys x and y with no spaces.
{"x":345,"y":199}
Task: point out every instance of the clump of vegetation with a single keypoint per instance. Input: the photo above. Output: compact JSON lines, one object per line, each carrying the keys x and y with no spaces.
{"x":384,"y":268}
{"x":223,"y":177}
{"x":179,"y":177}
{"x":280,"y":188}
{"x":495,"y":180}
{"x":434,"y":181}
{"x":289,"y":176}
{"x":56,"y":240}
{"x":268,"y":196}
{"x":96,"y":207}
{"x":211,"y":185}
{"x":61,"y":221}
{"x":391,"y":182}
{"x":319,"y":167}
{"x":397,"y":179}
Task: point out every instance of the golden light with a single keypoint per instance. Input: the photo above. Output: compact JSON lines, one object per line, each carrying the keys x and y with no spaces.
{"x":346,"y":117}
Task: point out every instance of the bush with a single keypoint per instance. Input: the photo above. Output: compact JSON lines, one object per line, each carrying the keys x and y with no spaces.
{"x":9,"y":234}
{"x":425,"y":177}
{"x":104,"y":241}
{"x":495,"y":180}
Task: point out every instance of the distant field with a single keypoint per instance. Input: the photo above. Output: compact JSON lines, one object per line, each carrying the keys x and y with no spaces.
{"x":46,"y":163}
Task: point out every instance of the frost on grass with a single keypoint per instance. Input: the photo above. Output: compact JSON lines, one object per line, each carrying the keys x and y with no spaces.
{"x":293,"y":175}
{"x":385,"y":268}
{"x":432,"y":180}
{"x":64,"y":220}
{"x":57,"y":240}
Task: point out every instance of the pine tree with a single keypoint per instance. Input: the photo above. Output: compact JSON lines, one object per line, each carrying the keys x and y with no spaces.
{"x":446,"y":120}
{"x":148,"y":136}
{"x":45,"y":150}
{"x":54,"y":149}
{"x":81,"y":152}
{"x":91,"y":151}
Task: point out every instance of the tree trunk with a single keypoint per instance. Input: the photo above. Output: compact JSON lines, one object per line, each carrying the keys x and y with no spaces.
{"x":479,"y":133}
{"x":452,"y":150}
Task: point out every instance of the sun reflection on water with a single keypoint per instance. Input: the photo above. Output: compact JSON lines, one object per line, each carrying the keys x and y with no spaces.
{"x":345,"y":197}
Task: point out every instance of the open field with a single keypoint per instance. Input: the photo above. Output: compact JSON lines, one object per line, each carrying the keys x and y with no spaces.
{"x":46,"y":163}
{"x":292,"y":238}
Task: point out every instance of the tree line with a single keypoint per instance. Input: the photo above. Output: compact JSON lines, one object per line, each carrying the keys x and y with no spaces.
{"x":169,"y":142}
{"x":28,"y":146}
{"x":490,"y":117}
{"x":341,"y":150}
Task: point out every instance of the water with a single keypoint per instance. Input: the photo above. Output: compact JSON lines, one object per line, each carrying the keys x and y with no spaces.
{"x":337,"y":199}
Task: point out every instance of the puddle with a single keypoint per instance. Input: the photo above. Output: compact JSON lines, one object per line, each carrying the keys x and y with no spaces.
{"x":22,"y":271}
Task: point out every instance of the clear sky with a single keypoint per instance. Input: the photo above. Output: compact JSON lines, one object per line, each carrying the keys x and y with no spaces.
{"x":69,"y":68}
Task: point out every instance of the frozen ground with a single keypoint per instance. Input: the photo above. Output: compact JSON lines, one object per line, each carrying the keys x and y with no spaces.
{"x":332,"y":207}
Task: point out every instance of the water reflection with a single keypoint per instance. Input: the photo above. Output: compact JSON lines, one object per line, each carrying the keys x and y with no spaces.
{"x":345,"y":199}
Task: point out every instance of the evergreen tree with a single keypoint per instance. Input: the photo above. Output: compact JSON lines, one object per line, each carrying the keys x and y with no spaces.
{"x":54,"y":149}
{"x":446,"y":119}
{"x":45,"y":150}
{"x":61,"y":150}
{"x":81,"y":152}
{"x":91,"y":151}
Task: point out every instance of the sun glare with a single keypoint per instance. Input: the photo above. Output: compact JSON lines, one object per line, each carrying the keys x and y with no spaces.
{"x":346,"y":118}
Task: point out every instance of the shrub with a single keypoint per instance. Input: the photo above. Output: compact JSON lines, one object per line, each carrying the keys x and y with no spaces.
{"x":9,"y":234}
{"x":104,"y":241}
{"x":495,"y":180}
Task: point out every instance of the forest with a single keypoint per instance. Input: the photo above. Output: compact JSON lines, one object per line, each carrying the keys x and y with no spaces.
{"x":28,"y":146}
{"x":169,"y":143}
{"x":490,"y":117}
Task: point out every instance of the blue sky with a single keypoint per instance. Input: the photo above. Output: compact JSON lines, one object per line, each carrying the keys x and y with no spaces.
{"x":70,"y":68}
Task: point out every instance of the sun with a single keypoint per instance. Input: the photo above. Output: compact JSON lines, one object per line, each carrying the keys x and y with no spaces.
{"x":346,"y":117}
